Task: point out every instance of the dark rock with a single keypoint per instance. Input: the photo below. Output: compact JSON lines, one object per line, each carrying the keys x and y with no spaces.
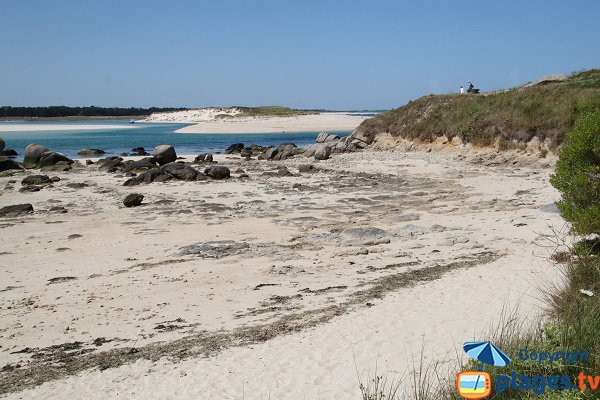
{"x":133,"y":200}
{"x":7,"y":165}
{"x":16,"y":210}
{"x":77,"y":185}
{"x":9,"y":153}
{"x":180,"y":171}
{"x":35,"y":180}
{"x":90,"y":152}
{"x":32,"y":156}
{"x":50,"y":158}
{"x":140,"y":165}
{"x":140,"y":151}
{"x":283,"y":171}
{"x":165,"y":154}
{"x":234,"y":148}
{"x":217,"y":172}
{"x":55,"y":179}
{"x":58,"y":210}
{"x":2,"y":144}
{"x":60,"y":166}
{"x":89,"y":162}
{"x":165,"y":178}
{"x":110,"y":164}
{"x":30,"y":189}
{"x":131,"y":182}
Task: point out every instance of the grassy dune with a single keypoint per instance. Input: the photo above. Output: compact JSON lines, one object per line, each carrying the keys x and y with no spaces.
{"x":546,"y":110}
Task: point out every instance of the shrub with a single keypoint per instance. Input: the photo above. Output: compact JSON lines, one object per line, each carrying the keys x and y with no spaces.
{"x":577,"y":175}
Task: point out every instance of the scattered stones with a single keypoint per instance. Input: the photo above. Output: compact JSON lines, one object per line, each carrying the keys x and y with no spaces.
{"x":90,"y":152}
{"x":165,"y":153}
{"x":32,"y":156}
{"x":217,"y":172}
{"x":16,"y":210}
{"x":133,"y":200}
{"x":35,"y":180}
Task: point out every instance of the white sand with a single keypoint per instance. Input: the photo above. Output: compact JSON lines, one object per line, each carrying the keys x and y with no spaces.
{"x":207,"y":120}
{"x":26,"y":127}
{"x":131,"y":279}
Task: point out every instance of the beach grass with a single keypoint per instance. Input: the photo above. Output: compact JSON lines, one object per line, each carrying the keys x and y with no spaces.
{"x":515,"y":116}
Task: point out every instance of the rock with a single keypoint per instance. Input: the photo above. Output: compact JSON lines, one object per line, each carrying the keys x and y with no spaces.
{"x":364,"y":236}
{"x":131,"y":182}
{"x":322,"y":153}
{"x":16,"y":210}
{"x":50,"y":158}
{"x":89,"y":162}
{"x":140,"y":151}
{"x":33,"y":152}
{"x":77,"y":185}
{"x":35,"y":180}
{"x":234,"y":148}
{"x":271,"y":153}
{"x":90,"y":152}
{"x":321,"y":137}
{"x":180,"y":171}
{"x":167,"y":177}
{"x":2,"y":144}
{"x":133,"y":200}
{"x":7,"y":165}
{"x":215,"y":249}
{"x":283,"y":171}
{"x":30,"y":189}
{"x":303,"y":168}
{"x":58,"y":210}
{"x":55,"y":179}
{"x":331,"y":138}
{"x":9,"y":153}
{"x":139,"y":165}
{"x":203,"y":158}
{"x":111,"y":164}
{"x":60,"y":166}
{"x":217,"y":172}
{"x":165,"y":154}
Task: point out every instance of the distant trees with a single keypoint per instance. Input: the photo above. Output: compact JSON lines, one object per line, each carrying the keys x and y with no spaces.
{"x":91,"y":111}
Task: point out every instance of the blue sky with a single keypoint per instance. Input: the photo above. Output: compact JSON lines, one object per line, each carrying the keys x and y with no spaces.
{"x":304,"y":54}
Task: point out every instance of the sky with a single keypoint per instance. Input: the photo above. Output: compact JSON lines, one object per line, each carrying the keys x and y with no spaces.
{"x":322,"y":54}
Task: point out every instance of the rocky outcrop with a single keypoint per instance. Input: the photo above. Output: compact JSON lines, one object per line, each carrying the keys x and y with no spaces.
{"x":164,"y":154}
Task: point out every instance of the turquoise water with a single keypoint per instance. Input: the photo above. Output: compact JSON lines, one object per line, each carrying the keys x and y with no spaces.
{"x":116,"y":141}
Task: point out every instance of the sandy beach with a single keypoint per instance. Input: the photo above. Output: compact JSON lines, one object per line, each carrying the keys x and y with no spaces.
{"x":207,"y":121}
{"x":285,"y":286}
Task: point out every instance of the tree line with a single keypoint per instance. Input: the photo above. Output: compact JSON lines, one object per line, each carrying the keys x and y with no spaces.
{"x":91,"y":111}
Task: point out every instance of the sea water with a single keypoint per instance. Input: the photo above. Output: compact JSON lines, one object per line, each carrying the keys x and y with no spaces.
{"x":147,"y":135}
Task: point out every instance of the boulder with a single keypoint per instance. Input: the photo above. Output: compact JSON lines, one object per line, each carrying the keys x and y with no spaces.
{"x":217,"y":172}
{"x":180,"y":171}
{"x":9,"y":153}
{"x":2,"y":144}
{"x":110,"y":164}
{"x":321,"y":137}
{"x":35,"y":180}
{"x":90,"y":152}
{"x":303,"y":168}
{"x":133,"y":200}
{"x":271,"y":153}
{"x":50,"y":158}
{"x":139,"y":165}
{"x":32,"y":156}
{"x":16,"y":210}
{"x":234,"y":148}
{"x":203,"y":158}
{"x":165,"y":153}
{"x":322,"y":153}
{"x":140,"y":151}
{"x":7,"y":165}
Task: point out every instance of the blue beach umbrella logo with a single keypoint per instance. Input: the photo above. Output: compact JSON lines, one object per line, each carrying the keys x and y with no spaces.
{"x":487,"y":353}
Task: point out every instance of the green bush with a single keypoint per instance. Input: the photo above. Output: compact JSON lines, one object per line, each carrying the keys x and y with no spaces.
{"x":577,"y":175}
